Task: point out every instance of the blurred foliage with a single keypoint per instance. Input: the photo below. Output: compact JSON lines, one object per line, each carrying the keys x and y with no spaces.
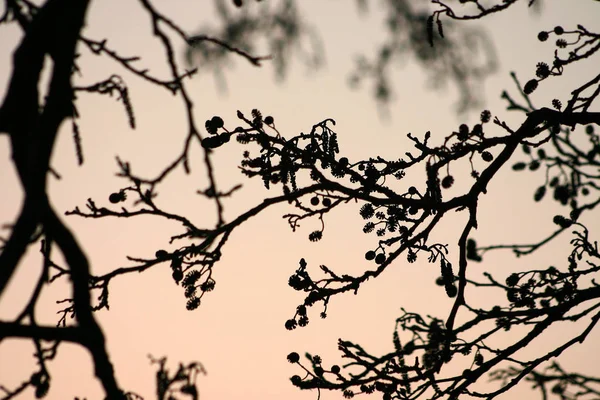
{"x":276,"y":25}
{"x":464,"y":58}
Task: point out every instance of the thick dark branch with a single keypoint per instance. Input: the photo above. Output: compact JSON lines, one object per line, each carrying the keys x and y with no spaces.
{"x":54,"y":31}
{"x":49,"y":333}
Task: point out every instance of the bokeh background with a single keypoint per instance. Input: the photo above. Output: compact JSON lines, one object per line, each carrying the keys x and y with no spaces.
{"x":238,"y":332}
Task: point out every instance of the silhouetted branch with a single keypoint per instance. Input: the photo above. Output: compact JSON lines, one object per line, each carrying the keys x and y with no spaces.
{"x":314,"y":179}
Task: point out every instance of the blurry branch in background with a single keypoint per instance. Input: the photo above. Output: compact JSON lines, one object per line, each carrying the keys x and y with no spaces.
{"x":465,"y":57}
{"x":278,"y":23}
{"x":555,"y":381}
{"x":461,"y":56}
{"x":182,"y":382}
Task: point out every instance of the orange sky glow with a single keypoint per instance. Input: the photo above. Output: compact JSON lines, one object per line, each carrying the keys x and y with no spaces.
{"x":238,"y":332}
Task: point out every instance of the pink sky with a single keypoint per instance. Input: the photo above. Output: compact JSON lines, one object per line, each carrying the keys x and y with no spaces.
{"x":238,"y":331}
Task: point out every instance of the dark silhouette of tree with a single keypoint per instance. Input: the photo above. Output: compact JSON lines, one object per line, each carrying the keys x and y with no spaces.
{"x":54,"y":30}
{"x":307,"y":171}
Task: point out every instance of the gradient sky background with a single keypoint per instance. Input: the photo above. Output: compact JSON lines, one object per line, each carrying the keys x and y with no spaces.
{"x":238,"y":331}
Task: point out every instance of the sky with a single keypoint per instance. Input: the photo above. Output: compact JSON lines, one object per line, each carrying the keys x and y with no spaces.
{"x":238,"y":332}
